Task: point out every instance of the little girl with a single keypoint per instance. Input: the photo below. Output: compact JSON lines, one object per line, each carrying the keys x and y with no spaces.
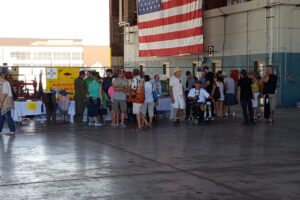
{"x":63,"y":104}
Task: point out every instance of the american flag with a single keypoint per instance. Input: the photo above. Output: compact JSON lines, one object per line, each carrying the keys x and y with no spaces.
{"x":169,"y":27}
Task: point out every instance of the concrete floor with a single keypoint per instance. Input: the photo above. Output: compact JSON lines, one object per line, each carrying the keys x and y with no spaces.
{"x":210,"y":162}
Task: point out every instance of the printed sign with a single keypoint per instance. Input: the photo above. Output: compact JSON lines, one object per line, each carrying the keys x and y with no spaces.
{"x":31,"y":106}
{"x":64,"y":80}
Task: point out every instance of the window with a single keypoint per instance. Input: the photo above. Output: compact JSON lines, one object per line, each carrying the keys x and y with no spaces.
{"x":77,"y":56}
{"x":212,"y":4}
{"x":20,"y":55}
{"x":61,"y":56}
{"x":42,"y":56}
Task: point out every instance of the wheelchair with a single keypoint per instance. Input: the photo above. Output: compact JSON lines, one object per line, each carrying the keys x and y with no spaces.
{"x":201,"y":112}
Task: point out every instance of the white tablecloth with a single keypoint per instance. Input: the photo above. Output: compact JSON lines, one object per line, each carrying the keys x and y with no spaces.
{"x":22,"y":109}
{"x":71,"y":111}
{"x":26,"y":108}
{"x":165,"y":105}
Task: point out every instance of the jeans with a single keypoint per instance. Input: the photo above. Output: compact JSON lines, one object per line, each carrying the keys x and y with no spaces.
{"x":247,"y":110}
{"x":10,"y":121}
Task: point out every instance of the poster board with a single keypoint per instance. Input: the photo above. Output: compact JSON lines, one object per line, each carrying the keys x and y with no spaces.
{"x":62,"y":78}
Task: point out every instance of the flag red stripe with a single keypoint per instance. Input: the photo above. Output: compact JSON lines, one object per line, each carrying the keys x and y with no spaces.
{"x":171,"y":20}
{"x":172,"y":35}
{"x":175,"y":3}
{"x":172,"y":51}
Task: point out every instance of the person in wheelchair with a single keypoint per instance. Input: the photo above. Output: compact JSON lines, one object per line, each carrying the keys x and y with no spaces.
{"x":201,"y":106}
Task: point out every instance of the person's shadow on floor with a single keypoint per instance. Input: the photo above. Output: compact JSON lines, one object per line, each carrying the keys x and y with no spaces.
{"x":6,"y":164}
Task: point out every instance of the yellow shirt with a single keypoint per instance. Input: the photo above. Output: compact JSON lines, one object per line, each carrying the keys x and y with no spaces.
{"x":255,"y":88}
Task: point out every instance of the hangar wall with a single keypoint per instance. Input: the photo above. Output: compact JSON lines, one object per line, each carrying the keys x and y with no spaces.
{"x":243,"y":35}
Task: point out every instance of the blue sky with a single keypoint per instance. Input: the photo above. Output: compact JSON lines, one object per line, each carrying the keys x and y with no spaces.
{"x":80,"y":19}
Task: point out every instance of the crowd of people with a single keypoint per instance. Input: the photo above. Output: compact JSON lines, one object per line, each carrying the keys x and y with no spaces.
{"x":124,"y":96}
{"x":211,"y":97}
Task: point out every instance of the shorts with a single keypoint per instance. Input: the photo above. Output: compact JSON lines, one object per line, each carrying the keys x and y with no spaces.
{"x":150,"y":107}
{"x":255,"y":100}
{"x":93,"y":106}
{"x":272,"y":98}
{"x":229,"y":99}
{"x":179,"y":102}
{"x":136,"y":108}
{"x":119,"y":105}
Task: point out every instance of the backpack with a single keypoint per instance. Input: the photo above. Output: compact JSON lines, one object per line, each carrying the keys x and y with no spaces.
{"x":138,"y":95}
{"x":111,"y":92}
{"x":216,"y":93}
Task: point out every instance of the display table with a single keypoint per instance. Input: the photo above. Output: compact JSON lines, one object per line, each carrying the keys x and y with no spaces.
{"x":164,"y":105}
{"x":26,"y":108}
{"x":33,"y":108}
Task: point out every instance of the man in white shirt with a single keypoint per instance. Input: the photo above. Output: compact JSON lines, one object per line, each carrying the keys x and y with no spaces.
{"x":149,"y":102}
{"x":200,"y":95}
{"x":177,"y":94}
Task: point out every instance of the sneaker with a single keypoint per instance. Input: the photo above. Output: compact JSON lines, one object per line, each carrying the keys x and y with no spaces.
{"x":233,"y":114}
{"x":122,"y":125}
{"x":12,"y":134}
{"x":90,"y":124}
{"x":206,"y":119}
{"x":98,"y":124}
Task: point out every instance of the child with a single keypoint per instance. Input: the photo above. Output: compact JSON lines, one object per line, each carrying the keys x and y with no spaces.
{"x":63,"y":104}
